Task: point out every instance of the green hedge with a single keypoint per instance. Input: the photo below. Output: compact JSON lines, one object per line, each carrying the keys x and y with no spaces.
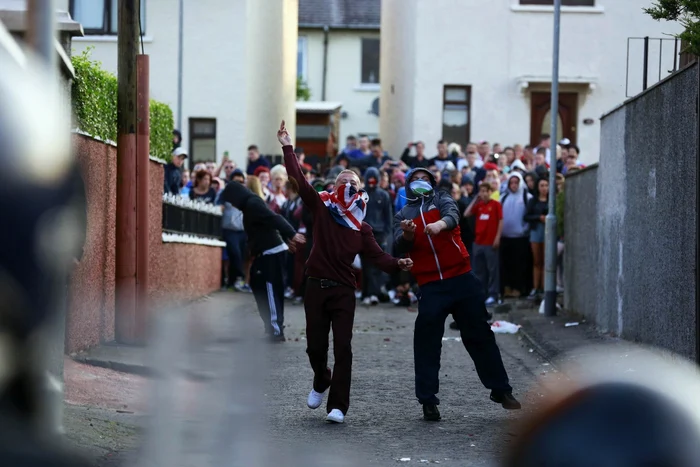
{"x":94,"y":97}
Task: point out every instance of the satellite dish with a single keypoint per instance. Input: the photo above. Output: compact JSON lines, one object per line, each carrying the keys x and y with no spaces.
{"x":375,"y":107}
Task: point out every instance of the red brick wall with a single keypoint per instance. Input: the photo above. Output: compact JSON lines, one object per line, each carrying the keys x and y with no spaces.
{"x":177,"y":271}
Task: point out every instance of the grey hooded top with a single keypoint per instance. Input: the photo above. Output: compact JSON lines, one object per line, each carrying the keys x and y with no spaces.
{"x":514,"y":209}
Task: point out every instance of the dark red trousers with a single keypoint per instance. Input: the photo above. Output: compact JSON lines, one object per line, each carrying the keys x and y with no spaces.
{"x":330,"y":307}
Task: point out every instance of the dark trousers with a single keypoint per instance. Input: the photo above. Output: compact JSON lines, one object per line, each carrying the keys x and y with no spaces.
{"x":463,"y":297}
{"x":514,"y":254}
{"x":267,"y":284}
{"x":326,"y":308}
{"x":373,"y":278}
{"x":235,"y":247}
{"x":485,"y":264}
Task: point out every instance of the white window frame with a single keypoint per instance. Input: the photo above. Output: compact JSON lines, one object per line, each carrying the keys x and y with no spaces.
{"x":303,"y":49}
{"x":106,"y":29}
{"x":364,"y":85}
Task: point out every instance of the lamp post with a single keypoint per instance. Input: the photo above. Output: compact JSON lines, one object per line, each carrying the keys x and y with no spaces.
{"x":550,"y":282}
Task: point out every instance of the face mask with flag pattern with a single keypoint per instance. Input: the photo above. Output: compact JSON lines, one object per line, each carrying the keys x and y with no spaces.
{"x":421,"y":188}
{"x":347,"y":206}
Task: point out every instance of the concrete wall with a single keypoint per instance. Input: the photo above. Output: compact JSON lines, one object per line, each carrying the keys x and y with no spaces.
{"x":495,"y":46}
{"x":645,"y":220}
{"x":177,"y":271}
{"x":581,"y":241}
{"x":343,"y":80}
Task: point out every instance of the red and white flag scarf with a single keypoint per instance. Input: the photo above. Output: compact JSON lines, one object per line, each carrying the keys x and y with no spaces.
{"x":348,"y":206}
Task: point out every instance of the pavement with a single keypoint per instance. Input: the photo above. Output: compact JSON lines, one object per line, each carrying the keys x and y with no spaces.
{"x":210,"y":392}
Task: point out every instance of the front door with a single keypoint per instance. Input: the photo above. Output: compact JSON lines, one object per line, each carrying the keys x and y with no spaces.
{"x":540,"y":117}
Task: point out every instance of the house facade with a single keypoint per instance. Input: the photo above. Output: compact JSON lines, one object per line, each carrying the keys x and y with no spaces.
{"x":469,"y":70}
{"x":238,"y":66}
{"x":338,"y":59}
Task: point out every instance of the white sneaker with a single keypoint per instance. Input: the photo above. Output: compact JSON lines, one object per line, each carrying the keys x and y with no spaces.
{"x":367,"y":301}
{"x":358,"y":294}
{"x":289,"y":293}
{"x":315,"y":399}
{"x":336,"y":416}
{"x":490,"y":301}
{"x":374,"y":300}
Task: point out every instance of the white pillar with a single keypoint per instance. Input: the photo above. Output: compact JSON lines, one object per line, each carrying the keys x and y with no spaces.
{"x":271,"y":67}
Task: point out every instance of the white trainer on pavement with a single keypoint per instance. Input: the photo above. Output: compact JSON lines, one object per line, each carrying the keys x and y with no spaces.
{"x":315,"y":399}
{"x":367,"y":301}
{"x":336,"y":416}
{"x":374,"y":300}
{"x":490,"y":301}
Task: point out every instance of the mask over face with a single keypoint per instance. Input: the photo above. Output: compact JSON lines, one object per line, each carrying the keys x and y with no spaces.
{"x":421,"y":188}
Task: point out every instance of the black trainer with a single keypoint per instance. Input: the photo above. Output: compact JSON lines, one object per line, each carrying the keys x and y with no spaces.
{"x":431,"y":412}
{"x":506,"y":399}
{"x":277,"y":338}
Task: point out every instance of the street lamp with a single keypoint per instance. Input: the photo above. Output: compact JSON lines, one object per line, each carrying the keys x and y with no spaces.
{"x":550,"y":282}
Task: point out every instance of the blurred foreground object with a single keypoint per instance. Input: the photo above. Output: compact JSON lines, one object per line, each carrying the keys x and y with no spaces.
{"x":639,"y":410}
{"x":42,"y":207}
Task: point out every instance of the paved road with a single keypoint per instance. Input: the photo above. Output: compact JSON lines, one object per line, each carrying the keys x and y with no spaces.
{"x":217,"y":420}
{"x":385,"y":423}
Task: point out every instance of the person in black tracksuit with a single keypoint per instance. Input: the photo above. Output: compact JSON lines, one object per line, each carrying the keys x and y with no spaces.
{"x":379,"y":216}
{"x":268,"y":236}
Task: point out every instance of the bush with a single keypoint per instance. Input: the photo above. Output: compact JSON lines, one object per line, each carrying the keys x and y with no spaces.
{"x":94,"y":96}
{"x":303,"y":91}
{"x":687,"y":13}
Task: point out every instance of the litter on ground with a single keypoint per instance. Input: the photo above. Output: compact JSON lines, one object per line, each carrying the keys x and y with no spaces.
{"x":504,"y":327}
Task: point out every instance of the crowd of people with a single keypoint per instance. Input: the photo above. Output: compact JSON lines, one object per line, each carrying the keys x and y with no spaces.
{"x":501,"y":193}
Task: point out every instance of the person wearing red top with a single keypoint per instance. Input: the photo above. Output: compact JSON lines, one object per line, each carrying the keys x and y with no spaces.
{"x":329,"y":302}
{"x":427,"y":229}
{"x":487,"y":239}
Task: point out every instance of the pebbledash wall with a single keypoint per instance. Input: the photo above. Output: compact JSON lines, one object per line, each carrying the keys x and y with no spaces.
{"x":630,"y":223}
{"x":178,"y":271}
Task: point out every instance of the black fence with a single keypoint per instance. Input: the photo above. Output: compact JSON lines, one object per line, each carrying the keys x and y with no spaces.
{"x":650,"y":60}
{"x":188,"y":221}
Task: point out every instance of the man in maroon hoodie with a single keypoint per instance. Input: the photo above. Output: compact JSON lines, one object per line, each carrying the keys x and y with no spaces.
{"x":329,"y":302}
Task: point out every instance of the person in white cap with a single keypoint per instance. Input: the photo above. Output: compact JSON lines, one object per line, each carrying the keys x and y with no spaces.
{"x":173,"y":172}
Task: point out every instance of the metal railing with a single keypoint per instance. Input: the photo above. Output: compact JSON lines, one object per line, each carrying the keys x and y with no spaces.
{"x":668,"y":50}
{"x":188,"y":219}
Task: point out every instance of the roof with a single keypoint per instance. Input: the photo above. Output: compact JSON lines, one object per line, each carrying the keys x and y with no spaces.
{"x":340,"y":14}
{"x":318,"y":107}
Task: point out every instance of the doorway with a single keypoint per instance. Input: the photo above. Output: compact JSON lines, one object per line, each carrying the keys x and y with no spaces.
{"x":540,"y":116}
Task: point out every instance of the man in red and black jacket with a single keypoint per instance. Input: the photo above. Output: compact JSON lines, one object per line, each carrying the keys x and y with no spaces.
{"x":427,"y":229}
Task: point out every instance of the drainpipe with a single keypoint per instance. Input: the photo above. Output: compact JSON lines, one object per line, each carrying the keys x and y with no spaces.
{"x":325,"y":61}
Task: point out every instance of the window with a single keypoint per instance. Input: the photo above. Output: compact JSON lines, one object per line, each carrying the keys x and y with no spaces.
{"x":455,"y":114}
{"x":100,"y":17}
{"x":563,"y":2}
{"x":370,"y":61}
{"x":301,"y":58}
{"x":202,"y":140}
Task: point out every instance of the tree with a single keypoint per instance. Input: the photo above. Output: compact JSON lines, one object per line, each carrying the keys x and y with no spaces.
{"x":303,"y":91}
{"x":687,"y":13}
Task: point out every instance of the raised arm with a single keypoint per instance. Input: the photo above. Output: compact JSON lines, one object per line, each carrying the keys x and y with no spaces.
{"x":306,"y":191}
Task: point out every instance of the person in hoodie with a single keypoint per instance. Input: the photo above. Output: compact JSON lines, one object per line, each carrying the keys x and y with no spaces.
{"x":515,"y":237}
{"x":270,"y":236}
{"x":340,"y":234}
{"x":427,"y":229}
{"x":380,"y":217}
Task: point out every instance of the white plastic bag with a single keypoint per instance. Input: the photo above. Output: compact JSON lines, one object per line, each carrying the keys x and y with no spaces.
{"x":504,"y":327}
